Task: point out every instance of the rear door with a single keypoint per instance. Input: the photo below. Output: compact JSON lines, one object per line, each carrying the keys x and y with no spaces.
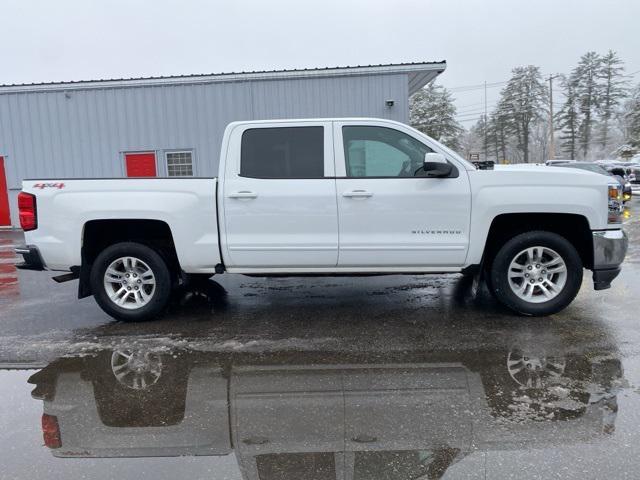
{"x":279,"y":196}
{"x":390,"y":215}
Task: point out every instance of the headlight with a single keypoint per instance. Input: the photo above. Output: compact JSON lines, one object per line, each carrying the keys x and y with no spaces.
{"x":615,"y":204}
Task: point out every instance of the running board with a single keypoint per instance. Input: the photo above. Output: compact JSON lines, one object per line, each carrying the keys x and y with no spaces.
{"x":67,"y":277}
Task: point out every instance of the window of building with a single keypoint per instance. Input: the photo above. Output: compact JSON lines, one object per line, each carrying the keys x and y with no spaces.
{"x":180,"y":164}
{"x":382,"y":152}
{"x":287,"y":152}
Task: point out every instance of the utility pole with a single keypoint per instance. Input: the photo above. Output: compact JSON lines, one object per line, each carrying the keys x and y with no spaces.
{"x":552,"y":142}
{"x":485,"y":122}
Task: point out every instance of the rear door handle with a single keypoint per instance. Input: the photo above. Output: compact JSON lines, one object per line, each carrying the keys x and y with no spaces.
{"x":357,"y":194}
{"x":243,"y":194}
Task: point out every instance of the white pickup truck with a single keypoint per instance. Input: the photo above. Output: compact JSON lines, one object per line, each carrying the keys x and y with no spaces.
{"x":328,"y":197}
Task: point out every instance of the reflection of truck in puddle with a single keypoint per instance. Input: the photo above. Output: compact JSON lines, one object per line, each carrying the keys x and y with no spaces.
{"x":406,"y":419}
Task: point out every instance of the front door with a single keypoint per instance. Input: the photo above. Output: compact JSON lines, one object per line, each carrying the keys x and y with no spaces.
{"x":140,"y":164}
{"x":389,"y":215}
{"x":5,"y":217}
{"x":279,"y":197}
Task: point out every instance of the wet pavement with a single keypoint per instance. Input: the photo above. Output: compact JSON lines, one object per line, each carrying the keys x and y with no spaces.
{"x":395,"y":377}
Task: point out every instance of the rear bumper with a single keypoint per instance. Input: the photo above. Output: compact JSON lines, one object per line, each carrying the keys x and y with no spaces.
{"x":32,"y":258}
{"x":609,"y":250}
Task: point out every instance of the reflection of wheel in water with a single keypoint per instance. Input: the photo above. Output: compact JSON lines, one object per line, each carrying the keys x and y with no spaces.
{"x":534,"y":370}
{"x":136,"y":369}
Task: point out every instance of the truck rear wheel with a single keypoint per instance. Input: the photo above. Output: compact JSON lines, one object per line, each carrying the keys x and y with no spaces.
{"x":131,"y":282}
{"x":536,"y":273}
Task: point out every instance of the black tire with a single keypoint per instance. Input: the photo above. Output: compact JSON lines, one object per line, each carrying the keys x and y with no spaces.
{"x":499,"y":282}
{"x":156,"y":264}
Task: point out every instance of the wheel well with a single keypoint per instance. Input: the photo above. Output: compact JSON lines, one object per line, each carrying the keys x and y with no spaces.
{"x":100,"y":234}
{"x":575,"y":228}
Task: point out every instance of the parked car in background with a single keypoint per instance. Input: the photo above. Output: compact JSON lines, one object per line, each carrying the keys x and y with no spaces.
{"x":635,"y":177}
{"x":624,"y":174}
{"x":632,"y":170}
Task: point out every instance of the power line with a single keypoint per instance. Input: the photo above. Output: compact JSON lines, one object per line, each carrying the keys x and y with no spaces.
{"x":465,"y":107}
{"x":480,"y":86}
{"x":469,"y":115}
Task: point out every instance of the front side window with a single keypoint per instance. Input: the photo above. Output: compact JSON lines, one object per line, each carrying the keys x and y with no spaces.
{"x":287,"y":152}
{"x":382,"y":152}
{"x":179,"y":164}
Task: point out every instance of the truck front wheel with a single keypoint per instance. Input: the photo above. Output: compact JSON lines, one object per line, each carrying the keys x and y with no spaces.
{"x":536,"y":273}
{"x":130,"y":282}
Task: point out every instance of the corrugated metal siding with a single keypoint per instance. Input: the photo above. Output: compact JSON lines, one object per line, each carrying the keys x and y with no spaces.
{"x":82,"y":133}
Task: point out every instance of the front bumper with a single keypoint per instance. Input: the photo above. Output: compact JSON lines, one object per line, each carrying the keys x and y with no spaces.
{"x":32,"y":258}
{"x":609,"y":249}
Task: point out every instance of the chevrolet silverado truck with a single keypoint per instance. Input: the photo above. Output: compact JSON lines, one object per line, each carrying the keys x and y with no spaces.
{"x":328,"y":197}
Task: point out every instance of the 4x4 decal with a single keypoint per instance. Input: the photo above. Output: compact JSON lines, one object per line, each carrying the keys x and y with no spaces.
{"x":42,"y":186}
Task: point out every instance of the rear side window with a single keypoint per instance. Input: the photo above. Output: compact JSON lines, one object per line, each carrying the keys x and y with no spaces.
{"x":289,"y":152}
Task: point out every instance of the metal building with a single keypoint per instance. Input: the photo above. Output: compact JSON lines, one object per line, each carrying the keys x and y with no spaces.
{"x":173,"y":126}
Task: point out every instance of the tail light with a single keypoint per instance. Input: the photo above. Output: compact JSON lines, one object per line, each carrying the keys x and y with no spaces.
{"x":615,"y":204}
{"x":51,"y":431}
{"x":27,"y":211}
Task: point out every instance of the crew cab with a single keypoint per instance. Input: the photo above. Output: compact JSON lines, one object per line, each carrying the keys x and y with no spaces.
{"x":328,"y":197}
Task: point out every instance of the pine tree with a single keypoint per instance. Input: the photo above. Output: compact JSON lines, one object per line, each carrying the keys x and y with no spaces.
{"x":480,"y":130}
{"x":613,"y":90}
{"x":492,"y":138}
{"x":632,"y":118}
{"x":504,"y":129}
{"x":433,"y":112}
{"x":568,"y":120}
{"x":523,"y":102}
{"x":585,"y":79}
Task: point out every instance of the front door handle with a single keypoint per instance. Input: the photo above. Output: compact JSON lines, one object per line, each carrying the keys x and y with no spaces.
{"x":243,"y":194}
{"x":357,"y":194}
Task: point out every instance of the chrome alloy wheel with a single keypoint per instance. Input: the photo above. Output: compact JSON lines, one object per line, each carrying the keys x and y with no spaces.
{"x":537,"y":274}
{"x":136,"y":369}
{"x":129,"y":283}
{"x":534,"y":369}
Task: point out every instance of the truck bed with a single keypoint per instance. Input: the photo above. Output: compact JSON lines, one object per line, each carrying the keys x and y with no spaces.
{"x":66,"y":206}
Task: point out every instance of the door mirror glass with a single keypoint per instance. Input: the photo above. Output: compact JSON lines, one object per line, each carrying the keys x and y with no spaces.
{"x":436,"y":165}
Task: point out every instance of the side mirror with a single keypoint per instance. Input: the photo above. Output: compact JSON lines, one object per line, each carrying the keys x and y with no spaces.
{"x":436,"y":165}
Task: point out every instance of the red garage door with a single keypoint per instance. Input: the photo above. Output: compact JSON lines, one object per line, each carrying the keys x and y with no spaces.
{"x":5,"y":218}
{"x":140,"y":164}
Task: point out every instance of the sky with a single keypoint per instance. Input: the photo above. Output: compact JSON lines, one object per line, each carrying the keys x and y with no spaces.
{"x":481,"y":40}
